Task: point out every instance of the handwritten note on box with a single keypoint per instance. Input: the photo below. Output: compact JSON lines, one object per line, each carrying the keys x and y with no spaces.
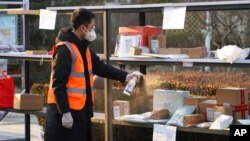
{"x":164,"y":133}
{"x":174,"y":17}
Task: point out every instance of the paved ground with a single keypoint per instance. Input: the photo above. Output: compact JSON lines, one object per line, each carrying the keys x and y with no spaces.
{"x":13,"y":124}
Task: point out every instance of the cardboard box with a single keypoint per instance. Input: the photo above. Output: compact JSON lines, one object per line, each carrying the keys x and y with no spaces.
{"x":156,"y":42}
{"x":144,"y":31}
{"x":196,"y":52}
{"x":170,"y":51}
{"x":194,"y":101}
{"x":28,"y":102}
{"x":218,"y":110}
{"x":135,"y":51}
{"x":206,"y":107}
{"x":160,"y":114}
{"x":235,"y":97}
{"x":120,"y":108}
{"x":191,"y":120}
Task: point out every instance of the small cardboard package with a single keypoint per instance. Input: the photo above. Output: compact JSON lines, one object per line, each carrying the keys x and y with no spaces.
{"x":160,"y":114}
{"x":206,"y":107}
{"x":135,"y":51}
{"x":218,"y":110}
{"x":192,"y":120}
{"x":170,"y":51}
{"x":194,"y":101}
{"x":196,"y":52}
{"x":235,"y":97}
{"x":120,"y":108}
{"x":155,"y":43}
{"x":28,"y":102}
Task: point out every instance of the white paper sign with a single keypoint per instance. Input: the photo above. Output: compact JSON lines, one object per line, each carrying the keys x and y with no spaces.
{"x":47,"y":19}
{"x":164,"y":133}
{"x":174,"y":17}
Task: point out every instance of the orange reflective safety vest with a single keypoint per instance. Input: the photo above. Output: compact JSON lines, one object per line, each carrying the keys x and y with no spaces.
{"x":76,"y":85}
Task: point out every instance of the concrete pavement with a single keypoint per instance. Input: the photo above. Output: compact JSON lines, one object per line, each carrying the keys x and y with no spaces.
{"x":13,"y":124}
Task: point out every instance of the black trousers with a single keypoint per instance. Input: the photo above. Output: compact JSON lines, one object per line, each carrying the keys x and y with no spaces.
{"x":81,"y":130}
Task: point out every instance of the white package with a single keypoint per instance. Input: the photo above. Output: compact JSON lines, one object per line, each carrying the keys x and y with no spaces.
{"x":124,"y":44}
{"x":168,"y":99}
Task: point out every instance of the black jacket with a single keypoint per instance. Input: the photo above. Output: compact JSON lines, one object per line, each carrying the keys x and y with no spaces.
{"x":62,"y":68}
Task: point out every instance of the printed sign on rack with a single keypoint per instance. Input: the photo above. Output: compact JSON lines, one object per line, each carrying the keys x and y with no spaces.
{"x":47,"y":19}
{"x":174,"y":17}
{"x":164,"y":133}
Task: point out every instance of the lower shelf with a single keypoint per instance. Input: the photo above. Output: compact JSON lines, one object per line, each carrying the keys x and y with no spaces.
{"x":100,"y":118}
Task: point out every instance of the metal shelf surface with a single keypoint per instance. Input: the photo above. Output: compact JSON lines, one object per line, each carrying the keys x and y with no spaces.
{"x":195,"y":62}
{"x":23,"y":56}
{"x":99,"y":118}
{"x":192,"y":6}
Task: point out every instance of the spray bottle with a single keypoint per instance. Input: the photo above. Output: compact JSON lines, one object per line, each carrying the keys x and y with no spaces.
{"x":130,"y":86}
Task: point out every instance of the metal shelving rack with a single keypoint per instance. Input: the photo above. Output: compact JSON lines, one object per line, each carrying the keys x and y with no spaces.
{"x":142,"y":9}
{"x":106,"y":11}
{"x":24,"y":6}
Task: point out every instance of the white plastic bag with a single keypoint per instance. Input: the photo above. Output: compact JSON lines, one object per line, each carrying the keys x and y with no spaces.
{"x":231,"y":53}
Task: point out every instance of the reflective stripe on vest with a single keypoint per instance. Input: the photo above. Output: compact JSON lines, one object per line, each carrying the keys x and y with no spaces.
{"x":76,"y":85}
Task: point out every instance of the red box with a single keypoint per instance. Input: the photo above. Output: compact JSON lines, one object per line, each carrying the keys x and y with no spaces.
{"x":144,"y":31}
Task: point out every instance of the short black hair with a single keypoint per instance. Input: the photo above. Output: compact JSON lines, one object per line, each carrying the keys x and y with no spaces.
{"x":81,"y":16}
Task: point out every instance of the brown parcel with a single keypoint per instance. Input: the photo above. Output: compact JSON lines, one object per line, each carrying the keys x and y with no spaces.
{"x":169,"y":51}
{"x":161,"y":40}
{"x":28,"y":102}
{"x":120,"y":108}
{"x":196,"y":52}
{"x":236,"y":97}
{"x":218,"y":110}
{"x":191,"y":120}
{"x":135,"y":51}
{"x":194,"y":101}
{"x":206,"y":107}
{"x":160,"y":114}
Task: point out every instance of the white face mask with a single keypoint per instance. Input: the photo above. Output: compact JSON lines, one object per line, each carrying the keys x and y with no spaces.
{"x":90,"y":36}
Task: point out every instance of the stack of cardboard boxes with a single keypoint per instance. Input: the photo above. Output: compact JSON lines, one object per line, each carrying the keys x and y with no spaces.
{"x":198,"y":116}
{"x":229,"y":101}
